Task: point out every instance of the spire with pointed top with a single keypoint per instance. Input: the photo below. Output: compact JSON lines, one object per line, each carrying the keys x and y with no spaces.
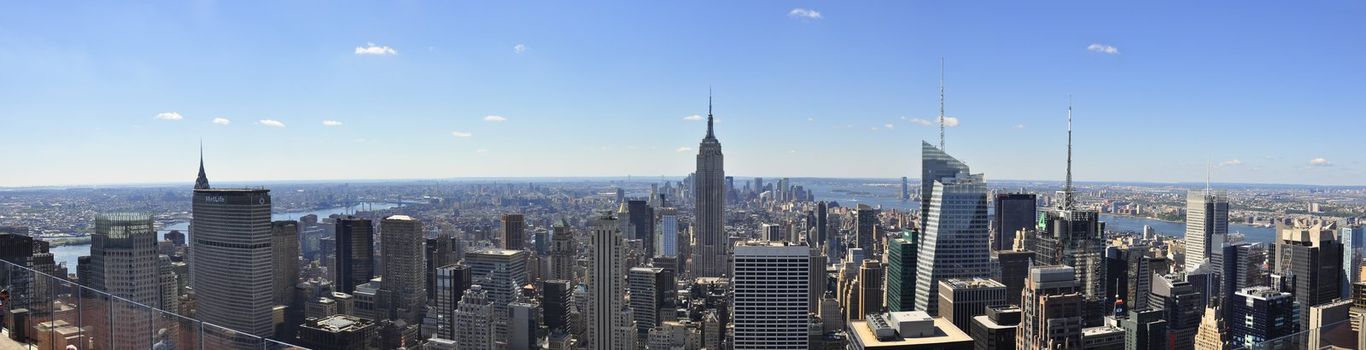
{"x":202,"y":182}
{"x":941,"y":103}
{"x":1067,"y":187}
{"x":710,"y":135}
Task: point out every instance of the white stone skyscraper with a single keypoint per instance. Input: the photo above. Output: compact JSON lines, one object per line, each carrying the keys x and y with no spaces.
{"x":955,"y":242}
{"x":1206,"y":217}
{"x":404,"y":270}
{"x":771,"y":283}
{"x":230,"y":258}
{"x":709,"y":258}
{"x":472,"y":319}
{"x":124,"y":261}
{"x":606,"y":286}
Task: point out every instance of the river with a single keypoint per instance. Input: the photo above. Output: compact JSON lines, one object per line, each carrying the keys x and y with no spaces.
{"x":69,"y":253}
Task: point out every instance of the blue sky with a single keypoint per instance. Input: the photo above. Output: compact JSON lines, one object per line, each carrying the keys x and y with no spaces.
{"x":1271,"y":91}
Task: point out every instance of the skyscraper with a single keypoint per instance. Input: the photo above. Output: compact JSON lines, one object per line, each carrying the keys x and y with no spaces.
{"x":562,"y":252}
{"x":822,"y":224}
{"x":1263,"y":314}
{"x":668,"y":233}
{"x":355,"y":253}
{"x":649,"y":287}
{"x":124,"y":260}
{"x":404,"y":275}
{"x":955,"y":241}
{"x":285,"y":254}
{"x":451,"y":283}
{"x":605,"y":289}
{"x":770,"y":281}
{"x":996,"y":329}
{"x":556,"y":299}
{"x":1213,"y":333}
{"x":1050,"y":312}
{"x":1206,"y":216}
{"x":865,"y":228}
{"x":1014,"y":211}
{"x":1074,"y":237}
{"x":514,"y":232}
{"x":1308,"y":261}
{"x":642,"y":219}
{"x":901,"y":259}
{"x":1181,"y":304}
{"x":710,"y":259}
{"x":905,"y":189}
{"x":961,"y":299}
{"x":231,"y":259}
{"x":472,"y":319}
{"x":502,"y":273}
{"x":935,"y":164}
{"x":438,"y":253}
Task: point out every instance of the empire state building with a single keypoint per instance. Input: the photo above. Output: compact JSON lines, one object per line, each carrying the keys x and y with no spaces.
{"x":709,"y":259}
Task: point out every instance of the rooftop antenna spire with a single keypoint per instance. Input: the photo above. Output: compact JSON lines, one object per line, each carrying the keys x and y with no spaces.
{"x":1209,"y":174}
{"x":1067,"y":187}
{"x":941,"y":103}
{"x":710,"y":135}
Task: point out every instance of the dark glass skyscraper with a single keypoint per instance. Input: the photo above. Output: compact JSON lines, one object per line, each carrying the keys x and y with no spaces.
{"x":514,"y":232}
{"x":355,"y":253}
{"x":642,"y":219}
{"x":1014,"y":211}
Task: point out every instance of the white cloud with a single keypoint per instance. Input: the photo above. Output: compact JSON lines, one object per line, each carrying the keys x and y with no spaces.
{"x":693,"y":118}
{"x":271,"y":123}
{"x":1319,"y":162}
{"x":495,"y":119}
{"x":1019,"y":126}
{"x":481,"y":150}
{"x":950,"y":121}
{"x":519,"y":48}
{"x":921,"y":122}
{"x":889,"y":126}
{"x":331,"y":123}
{"x":1230,"y":162}
{"x":683,"y":149}
{"x":372,"y":49}
{"x":169,"y":116}
{"x":810,"y":119}
{"x":221,"y":121}
{"x":1101,"y":48}
{"x":801,"y":13}
{"x":461,"y":134}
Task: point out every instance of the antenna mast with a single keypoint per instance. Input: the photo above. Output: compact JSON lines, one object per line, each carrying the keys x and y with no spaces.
{"x":1067,"y":187}
{"x":941,"y":103}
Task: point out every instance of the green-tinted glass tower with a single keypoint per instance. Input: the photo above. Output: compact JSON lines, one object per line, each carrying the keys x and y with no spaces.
{"x":901,"y":262}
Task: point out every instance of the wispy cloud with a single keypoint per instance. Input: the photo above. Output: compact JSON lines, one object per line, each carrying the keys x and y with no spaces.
{"x":1319,"y":162}
{"x":377,"y":50}
{"x":495,"y":119}
{"x":169,"y":116}
{"x":683,"y":149}
{"x":1102,"y":48}
{"x":801,"y":13}
{"x":331,"y":123}
{"x":519,"y":48}
{"x":1019,"y":126}
{"x":481,"y":150}
{"x":221,"y":121}
{"x":810,"y":119}
{"x":461,"y":134}
{"x":693,"y":118}
{"x":950,"y":121}
{"x":920,"y":122}
{"x":889,"y":126}
{"x":271,"y":123}
{"x":1230,"y":162}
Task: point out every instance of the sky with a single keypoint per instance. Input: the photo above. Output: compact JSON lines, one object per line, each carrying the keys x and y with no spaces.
{"x":124,"y":92}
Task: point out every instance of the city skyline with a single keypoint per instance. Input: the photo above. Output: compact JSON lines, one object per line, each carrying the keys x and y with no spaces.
{"x":408,"y":89}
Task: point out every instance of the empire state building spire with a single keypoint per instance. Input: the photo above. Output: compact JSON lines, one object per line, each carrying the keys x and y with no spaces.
{"x":201,"y":183}
{"x":710,"y":135}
